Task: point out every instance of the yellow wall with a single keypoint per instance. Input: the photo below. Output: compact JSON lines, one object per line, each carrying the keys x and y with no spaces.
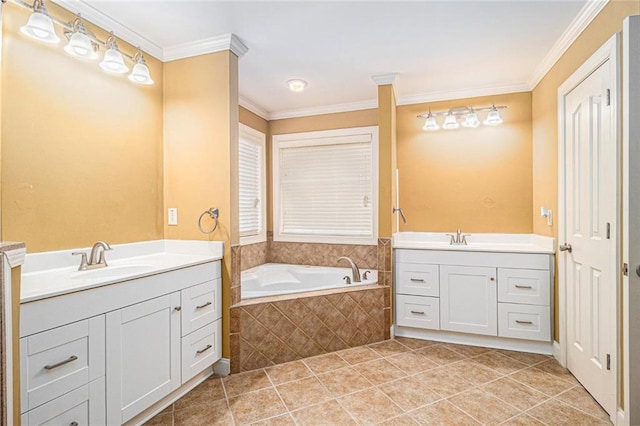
{"x":479,"y":180}
{"x":386,"y":160}
{"x":81,"y":150}
{"x":201,"y":149}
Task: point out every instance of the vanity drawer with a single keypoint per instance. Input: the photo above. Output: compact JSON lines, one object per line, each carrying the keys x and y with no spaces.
{"x":201,"y":305}
{"x":201,"y":349}
{"x":529,"y":322}
{"x":528,"y":286}
{"x":418,"y":279}
{"x":60,"y":360}
{"x":82,"y":407}
{"x":418,"y":311}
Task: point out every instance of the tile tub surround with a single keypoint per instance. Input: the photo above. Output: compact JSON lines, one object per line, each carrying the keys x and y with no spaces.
{"x":396,"y":382}
{"x":285,"y":328}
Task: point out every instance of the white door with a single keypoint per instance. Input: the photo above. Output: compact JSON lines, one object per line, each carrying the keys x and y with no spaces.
{"x":468,"y":299}
{"x":590,"y":219}
{"x":143,"y":356}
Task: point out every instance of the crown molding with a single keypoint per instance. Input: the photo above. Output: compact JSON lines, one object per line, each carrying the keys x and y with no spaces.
{"x":206,"y":45}
{"x":251,"y":106}
{"x":383,"y":79}
{"x":446,"y":95}
{"x":577,"y":26}
{"x":107,"y":23}
{"x":326,"y":109}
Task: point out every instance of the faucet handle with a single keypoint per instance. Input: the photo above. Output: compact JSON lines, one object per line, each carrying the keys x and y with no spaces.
{"x":83,"y":262}
{"x":453,"y":238}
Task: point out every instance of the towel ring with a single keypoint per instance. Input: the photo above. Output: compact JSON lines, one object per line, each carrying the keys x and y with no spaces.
{"x":213,"y":213}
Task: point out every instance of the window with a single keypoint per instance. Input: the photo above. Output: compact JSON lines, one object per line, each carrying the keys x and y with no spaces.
{"x":252,"y":185}
{"x":325,"y":186}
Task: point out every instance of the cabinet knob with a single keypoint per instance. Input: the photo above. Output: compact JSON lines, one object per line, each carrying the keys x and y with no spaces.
{"x":492,"y":279}
{"x":177,"y":308}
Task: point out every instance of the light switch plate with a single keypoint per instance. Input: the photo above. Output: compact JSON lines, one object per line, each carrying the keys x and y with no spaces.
{"x":172,"y":216}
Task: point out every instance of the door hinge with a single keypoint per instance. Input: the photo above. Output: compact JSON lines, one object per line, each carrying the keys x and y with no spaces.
{"x":608,"y":231}
{"x":608,"y":97}
{"x":608,"y":361}
{"x":625,"y":269}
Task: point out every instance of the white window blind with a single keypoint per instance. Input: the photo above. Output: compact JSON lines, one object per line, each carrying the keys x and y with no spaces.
{"x":327,"y":189}
{"x":251,"y":168}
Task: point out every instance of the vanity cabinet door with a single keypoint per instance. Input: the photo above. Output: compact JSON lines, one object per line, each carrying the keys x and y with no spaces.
{"x":143,"y":356}
{"x":468,"y":299}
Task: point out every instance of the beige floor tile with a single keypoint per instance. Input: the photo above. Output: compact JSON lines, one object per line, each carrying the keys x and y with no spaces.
{"x":358,"y":355}
{"x":414,"y":343}
{"x":554,"y":412}
{"x":325,"y":363}
{"x":403,"y":420}
{"x":369,"y":406}
{"x":475,"y":373}
{"x":388,"y":347}
{"x":578,"y":397}
{"x":237,"y":384}
{"x":303,"y":393}
{"x":554,"y":368}
{"x":522,"y":420}
{"x":520,"y":396}
{"x":214,"y":413}
{"x":442,"y":413}
{"x":282,"y":420}
{"x":409,"y":393}
{"x":258,"y":405}
{"x":541,"y":381}
{"x":444,"y":382}
{"x":412,"y":362}
{"x":328,"y":413}
{"x":379,"y":371}
{"x":500,"y":363}
{"x":440,"y":354}
{"x":344,"y":381}
{"x":208,"y":391}
{"x":467,"y":350}
{"x":525,"y":357}
{"x":165,"y":419}
{"x":484,"y":407}
{"x":283,"y":373}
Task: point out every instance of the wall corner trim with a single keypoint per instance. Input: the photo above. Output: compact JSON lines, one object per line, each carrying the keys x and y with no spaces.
{"x":206,"y":45}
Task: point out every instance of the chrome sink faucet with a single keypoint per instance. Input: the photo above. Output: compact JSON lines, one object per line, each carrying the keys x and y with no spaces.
{"x":458,"y":238}
{"x":96,"y":258}
{"x":355,"y":272}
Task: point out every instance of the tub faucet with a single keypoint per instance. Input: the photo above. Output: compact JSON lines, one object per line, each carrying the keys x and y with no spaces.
{"x":458,"y":238}
{"x":354,"y":269}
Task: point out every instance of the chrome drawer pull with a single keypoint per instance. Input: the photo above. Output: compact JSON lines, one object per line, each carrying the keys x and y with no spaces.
{"x":523,"y":286}
{"x":61,"y":363}
{"x":417,"y":280}
{"x":206,"y":348}
{"x":418,"y":312}
{"x":524,"y":322}
{"x":73,"y":424}
{"x":204,"y":305}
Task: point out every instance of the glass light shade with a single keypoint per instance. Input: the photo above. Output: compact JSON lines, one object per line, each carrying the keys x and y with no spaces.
{"x":113,"y":62}
{"x":140,"y":74}
{"x":493,"y":118}
{"x":450,"y":122}
{"x":430,"y":123}
{"x":40,"y":27}
{"x":81,"y":46}
{"x":471,"y":120}
{"x":297,"y":85}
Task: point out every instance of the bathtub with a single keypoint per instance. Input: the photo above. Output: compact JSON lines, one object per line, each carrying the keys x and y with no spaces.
{"x":273,"y":279}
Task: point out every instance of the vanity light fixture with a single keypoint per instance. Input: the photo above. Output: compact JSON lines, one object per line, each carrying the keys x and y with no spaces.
{"x":40,"y":25}
{"x":467,"y":115}
{"x":297,"y":85}
{"x":83,"y":44}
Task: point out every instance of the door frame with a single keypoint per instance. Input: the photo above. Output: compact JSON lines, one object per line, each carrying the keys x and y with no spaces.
{"x":609,"y":51}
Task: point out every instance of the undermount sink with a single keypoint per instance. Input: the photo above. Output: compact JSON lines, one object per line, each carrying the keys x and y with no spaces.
{"x":113,"y":271}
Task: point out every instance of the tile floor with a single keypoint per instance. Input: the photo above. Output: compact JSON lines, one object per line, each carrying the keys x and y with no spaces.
{"x":395,"y":382}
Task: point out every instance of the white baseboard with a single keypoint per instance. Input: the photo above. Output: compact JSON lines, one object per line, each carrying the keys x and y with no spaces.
{"x":222,"y":367}
{"x":621,"y":418}
{"x":392,"y":331}
{"x":556,"y":352}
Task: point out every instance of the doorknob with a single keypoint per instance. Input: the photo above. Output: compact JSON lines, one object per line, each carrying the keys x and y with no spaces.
{"x":566,"y":247}
{"x":638,"y":271}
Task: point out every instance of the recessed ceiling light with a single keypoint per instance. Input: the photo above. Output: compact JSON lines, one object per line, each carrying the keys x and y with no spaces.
{"x":297,"y":85}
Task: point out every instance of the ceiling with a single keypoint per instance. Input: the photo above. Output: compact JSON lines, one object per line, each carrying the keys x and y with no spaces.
{"x":439,"y":49}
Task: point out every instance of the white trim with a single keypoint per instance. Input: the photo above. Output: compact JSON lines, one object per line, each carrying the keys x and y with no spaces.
{"x":8,"y":335}
{"x":206,"y":45}
{"x":384,"y":79}
{"x":621,"y":418}
{"x":556,"y":352}
{"x":447,"y":95}
{"x":325,"y":109}
{"x":222,"y":367}
{"x":254,"y":136}
{"x":16,"y":257}
{"x":609,"y":51}
{"x":248,"y":104}
{"x":107,"y":23}
{"x":590,"y":10}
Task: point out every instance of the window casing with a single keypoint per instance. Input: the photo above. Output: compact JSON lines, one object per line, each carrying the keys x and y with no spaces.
{"x":325,"y":186}
{"x":252,"y":186}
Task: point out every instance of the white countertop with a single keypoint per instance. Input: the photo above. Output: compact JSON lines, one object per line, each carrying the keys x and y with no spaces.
{"x":55,"y":273}
{"x":502,"y":243}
